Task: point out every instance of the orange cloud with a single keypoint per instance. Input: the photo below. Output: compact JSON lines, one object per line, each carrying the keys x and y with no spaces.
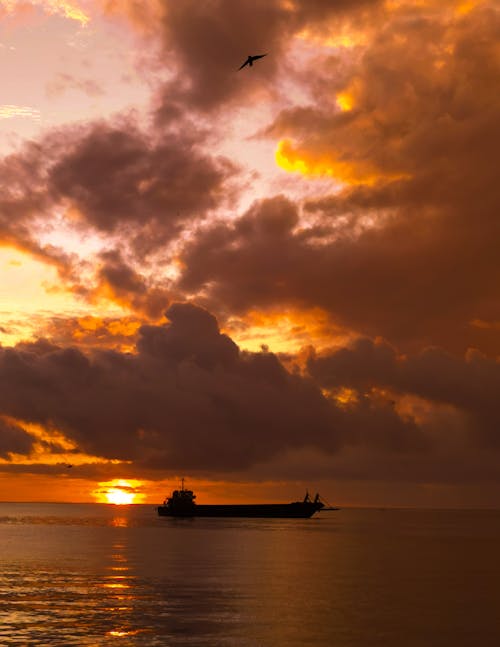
{"x":124,"y":327}
{"x":285,"y":331}
{"x":345,"y":101}
{"x":144,"y":16}
{"x":46,"y":440}
{"x":69,"y":10}
{"x":306,"y":162}
{"x":341,"y":36}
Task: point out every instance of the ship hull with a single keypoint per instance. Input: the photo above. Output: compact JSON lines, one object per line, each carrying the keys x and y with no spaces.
{"x":299,"y":510}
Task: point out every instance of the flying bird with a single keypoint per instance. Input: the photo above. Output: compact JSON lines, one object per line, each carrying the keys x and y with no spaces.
{"x":250,"y":60}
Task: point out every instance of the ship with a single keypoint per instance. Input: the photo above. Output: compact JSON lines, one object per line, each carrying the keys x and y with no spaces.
{"x":181,"y":503}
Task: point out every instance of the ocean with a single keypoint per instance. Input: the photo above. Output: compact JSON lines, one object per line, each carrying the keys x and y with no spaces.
{"x":94,"y":574}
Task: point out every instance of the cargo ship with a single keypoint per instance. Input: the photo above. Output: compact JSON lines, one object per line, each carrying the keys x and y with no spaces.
{"x":181,"y":503}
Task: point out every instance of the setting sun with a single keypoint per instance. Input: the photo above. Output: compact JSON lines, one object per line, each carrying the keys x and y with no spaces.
{"x":119,"y":497}
{"x":118,"y":492}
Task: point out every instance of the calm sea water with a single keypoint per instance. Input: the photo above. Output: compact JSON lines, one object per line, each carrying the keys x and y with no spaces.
{"x":110,"y":575}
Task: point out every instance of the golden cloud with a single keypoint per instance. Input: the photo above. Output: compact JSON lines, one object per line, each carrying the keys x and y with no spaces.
{"x":69,"y":10}
{"x":294,"y":159}
{"x":51,"y":447}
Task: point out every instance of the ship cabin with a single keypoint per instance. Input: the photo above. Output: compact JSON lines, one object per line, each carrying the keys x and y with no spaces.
{"x":181,"y":500}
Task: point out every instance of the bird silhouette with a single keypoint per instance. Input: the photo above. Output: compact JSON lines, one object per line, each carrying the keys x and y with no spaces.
{"x":250,"y":61}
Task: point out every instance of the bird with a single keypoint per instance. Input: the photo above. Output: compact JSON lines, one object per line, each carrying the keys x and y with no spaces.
{"x":250,"y":60}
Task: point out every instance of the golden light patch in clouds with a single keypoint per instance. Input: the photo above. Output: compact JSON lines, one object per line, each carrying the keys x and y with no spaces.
{"x":466,"y":6}
{"x":106,"y":295}
{"x":43,"y":434}
{"x":344,"y":396}
{"x":293,"y":159}
{"x":69,"y":10}
{"x":119,"y":492}
{"x":124,"y":327}
{"x":46,"y":438}
{"x":9,"y":111}
{"x":296,"y":160}
{"x":285,"y":331}
{"x":459,"y":7}
{"x":89,"y":327}
{"x":340,"y":36}
{"x":345,"y":101}
{"x":349,"y":97}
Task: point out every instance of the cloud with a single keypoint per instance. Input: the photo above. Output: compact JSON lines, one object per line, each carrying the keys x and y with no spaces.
{"x":118,"y":281}
{"x":113,"y":175}
{"x":70,"y":10}
{"x":187,"y":399}
{"x":116,"y":178}
{"x":64,"y":82}
{"x":469,"y":384}
{"x":13,"y":439}
{"x":208,"y":42}
{"x":404,"y":246}
{"x":136,"y":190}
{"x":90,"y":331}
{"x":392,"y":105}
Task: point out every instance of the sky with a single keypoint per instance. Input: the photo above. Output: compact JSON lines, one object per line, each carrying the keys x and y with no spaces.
{"x":261,"y":280}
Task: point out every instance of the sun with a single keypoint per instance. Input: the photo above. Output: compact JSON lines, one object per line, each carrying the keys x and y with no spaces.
{"x":119,"y":497}
{"x":118,"y":492}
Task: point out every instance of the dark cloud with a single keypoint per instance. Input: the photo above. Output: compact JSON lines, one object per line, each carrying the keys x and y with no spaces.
{"x":470,"y":384}
{"x":188,"y":399}
{"x":13,"y":439}
{"x":118,"y":280}
{"x":122,"y":182}
{"x":208,"y":42}
{"x":22,"y":196}
{"x":246,"y":263}
{"x":407,"y":248}
{"x":138,"y":190}
{"x":117,"y":178}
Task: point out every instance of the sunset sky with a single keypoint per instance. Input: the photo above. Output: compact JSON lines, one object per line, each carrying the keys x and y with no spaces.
{"x":265,"y":280}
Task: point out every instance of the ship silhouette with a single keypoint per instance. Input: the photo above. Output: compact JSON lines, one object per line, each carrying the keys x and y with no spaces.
{"x":181,"y":503}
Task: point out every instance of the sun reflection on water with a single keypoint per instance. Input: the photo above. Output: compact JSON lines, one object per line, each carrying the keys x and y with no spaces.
{"x":119,"y":582}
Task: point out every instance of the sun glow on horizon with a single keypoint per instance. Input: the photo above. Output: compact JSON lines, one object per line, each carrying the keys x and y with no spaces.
{"x":119,"y":492}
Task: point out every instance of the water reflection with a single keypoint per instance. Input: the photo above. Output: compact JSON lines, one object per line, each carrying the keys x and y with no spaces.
{"x":120,"y":585}
{"x":363,"y":578}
